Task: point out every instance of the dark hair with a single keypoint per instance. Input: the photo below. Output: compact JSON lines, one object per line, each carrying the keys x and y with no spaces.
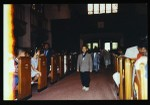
{"x":85,"y":46}
{"x":141,"y":45}
{"x":34,"y":50}
{"x":47,"y":44}
{"x":143,"y":42}
{"x":18,"y":50}
{"x":95,"y":49}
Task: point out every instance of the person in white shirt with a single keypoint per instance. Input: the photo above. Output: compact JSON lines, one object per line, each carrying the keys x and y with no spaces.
{"x":35,"y":74}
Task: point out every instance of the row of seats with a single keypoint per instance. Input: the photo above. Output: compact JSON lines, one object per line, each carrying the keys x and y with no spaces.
{"x":61,"y":65}
{"x":124,"y":67}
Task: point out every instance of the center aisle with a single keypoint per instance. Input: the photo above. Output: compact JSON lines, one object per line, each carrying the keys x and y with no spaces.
{"x":69,"y":88}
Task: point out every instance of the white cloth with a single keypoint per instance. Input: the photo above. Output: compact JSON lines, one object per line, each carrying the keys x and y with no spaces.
{"x":132,"y":52}
{"x":142,"y":59}
{"x":116,"y":77}
{"x":34,"y":63}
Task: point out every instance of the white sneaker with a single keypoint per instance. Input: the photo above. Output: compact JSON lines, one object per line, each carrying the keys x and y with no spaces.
{"x":86,"y":89}
{"x":83,"y":88}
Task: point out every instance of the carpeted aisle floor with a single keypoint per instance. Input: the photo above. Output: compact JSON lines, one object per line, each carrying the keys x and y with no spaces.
{"x":69,"y":88}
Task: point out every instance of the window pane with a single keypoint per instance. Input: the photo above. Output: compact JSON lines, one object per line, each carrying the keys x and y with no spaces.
{"x":102,"y":8}
{"x":33,"y":6}
{"x":96,"y":8}
{"x":114,"y":8}
{"x":95,"y":45}
{"x":114,"y":45}
{"x":89,"y":45}
{"x":108,"y":8}
{"x":90,"y":8}
{"x":107,"y":46}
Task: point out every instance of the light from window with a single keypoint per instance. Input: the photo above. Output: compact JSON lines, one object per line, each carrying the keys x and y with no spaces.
{"x":96,"y":8}
{"x":108,"y":8}
{"x":114,"y":8}
{"x":107,"y":46}
{"x":95,"y":45}
{"x":114,"y":45}
{"x":90,"y":9}
{"x":89,"y":45}
{"x":102,"y":8}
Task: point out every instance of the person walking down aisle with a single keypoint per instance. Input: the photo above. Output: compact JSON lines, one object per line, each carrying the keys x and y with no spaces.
{"x":84,"y":65}
{"x":96,"y":60}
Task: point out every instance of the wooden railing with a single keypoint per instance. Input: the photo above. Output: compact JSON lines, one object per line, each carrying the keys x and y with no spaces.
{"x":125,"y":68}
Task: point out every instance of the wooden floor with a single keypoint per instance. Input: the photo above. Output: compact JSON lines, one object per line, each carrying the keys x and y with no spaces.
{"x":69,"y":88}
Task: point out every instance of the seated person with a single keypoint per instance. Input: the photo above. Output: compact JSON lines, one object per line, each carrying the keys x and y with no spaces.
{"x":35,"y":74}
{"x":13,"y":69}
{"x":141,"y":58}
{"x":20,"y":53}
{"x":27,"y":54}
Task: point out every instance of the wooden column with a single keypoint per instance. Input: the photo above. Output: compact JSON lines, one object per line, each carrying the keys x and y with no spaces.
{"x":117,"y":63}
{"x":128,"y":79}
{"x":132,"y":67}
{"x":61,"y":66}
{"x":143,"y":89}
{"x":42,"y":67}
{"x":24,"y":75}
{"x":121,"y":79}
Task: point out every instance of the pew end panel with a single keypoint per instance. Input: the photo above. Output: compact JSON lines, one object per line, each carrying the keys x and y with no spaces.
{"x":53,"y":73}
{"x":42,"y":67}
{"x":24,"y":74}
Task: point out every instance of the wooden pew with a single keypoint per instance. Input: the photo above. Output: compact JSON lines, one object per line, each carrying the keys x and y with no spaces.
{"x":61,"y":66}
{"x":132,"y":67}
{"x":121,"y":71}
{"x":125,"y":68}
{"x":141,"y":90}
{"x":53,"y":73}
{"x":73,"y":63}
{"x":117,"y":64}
{"x":42,"y":81}
{"x":128,"y":79}
{"x":68,"y":64}
{"x":115,"y":57}
{"x":24,"y":74}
